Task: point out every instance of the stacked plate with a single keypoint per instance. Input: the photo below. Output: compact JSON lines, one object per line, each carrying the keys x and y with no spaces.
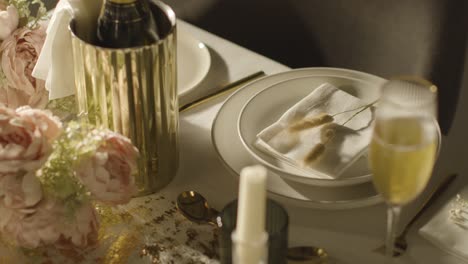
{"x":261,"y":103}
{"x":190,"y":52}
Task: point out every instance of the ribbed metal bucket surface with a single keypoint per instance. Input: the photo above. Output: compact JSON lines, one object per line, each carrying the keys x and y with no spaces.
{"x":134,"y":92}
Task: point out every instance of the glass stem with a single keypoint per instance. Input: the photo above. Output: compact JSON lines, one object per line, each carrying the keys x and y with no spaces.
{"x":393,"y":216}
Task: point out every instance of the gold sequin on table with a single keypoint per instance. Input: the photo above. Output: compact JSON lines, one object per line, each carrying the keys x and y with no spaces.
{"x":147,"y":230}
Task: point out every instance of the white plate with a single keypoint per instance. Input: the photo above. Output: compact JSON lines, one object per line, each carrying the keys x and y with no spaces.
{"x":234,"y":155}
{"x":267,"y":106}
{"x":193,"y":62}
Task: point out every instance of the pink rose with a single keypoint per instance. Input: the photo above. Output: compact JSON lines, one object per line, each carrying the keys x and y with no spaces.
{"x":49,"y":124}
{"x":108,"y":174}
{"x":82,"y":231}
{"x":32,"y":229}
{"x":20,"y":192}
{"x":26,"y":138}
{"x":9,"y":20}
{"x":19,"y":53}
{"x":49,"y":225}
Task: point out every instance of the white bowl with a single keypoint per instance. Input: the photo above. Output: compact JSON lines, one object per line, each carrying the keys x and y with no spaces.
{"x":265,"y":108}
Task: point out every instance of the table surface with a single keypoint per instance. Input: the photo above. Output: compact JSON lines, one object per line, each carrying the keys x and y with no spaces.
{"x":348,"y":235}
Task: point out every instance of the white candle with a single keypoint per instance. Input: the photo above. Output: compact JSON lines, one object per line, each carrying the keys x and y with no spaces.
{"x":249,"y":238}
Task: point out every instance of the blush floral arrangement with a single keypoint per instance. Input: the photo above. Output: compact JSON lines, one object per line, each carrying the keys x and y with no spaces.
{"x":22,"y":36}
{"x":51,"y":176}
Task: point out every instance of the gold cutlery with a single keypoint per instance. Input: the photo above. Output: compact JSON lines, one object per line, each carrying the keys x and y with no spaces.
{"x":226,"y":89}
{"x":195,"y":208}
{"x":400,"y":242}
{"x":307,"y":255}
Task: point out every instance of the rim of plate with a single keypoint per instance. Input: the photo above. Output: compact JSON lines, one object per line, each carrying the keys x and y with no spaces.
{"x":203,"y":51}
{"x":302,"y":178}
{"x":317,"y":204}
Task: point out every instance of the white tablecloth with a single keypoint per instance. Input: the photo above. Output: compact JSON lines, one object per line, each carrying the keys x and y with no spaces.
{"x":348,"y":235}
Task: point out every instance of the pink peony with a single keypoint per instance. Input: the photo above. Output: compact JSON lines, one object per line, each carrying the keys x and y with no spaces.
{"x":49,"y":124}
{"x":9,"y":20}
{"x":20,"y":192}
{"x":49,"y":224}
{"x":108,"y":174}
{"x":82,"y":231}
{"x":26,"y":138}
{"x":19,"y":53}
{"x":31,"y":229}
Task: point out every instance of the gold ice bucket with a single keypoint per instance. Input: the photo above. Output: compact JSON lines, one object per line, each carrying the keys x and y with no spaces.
{"x":133,"y":91}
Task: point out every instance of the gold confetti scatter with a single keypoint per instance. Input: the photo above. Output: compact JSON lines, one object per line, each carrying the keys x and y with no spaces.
{"x":122,"y":248}
{"x":149,"y":228}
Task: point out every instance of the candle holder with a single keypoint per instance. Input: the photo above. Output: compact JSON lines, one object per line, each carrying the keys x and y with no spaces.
{"x":133,"y":91}
{"x":277,"y":222}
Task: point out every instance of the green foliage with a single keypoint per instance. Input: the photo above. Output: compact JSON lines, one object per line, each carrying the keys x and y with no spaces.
{"x":24,"y":11}
{"x":64,"y":108}
{"x":58,"y":174}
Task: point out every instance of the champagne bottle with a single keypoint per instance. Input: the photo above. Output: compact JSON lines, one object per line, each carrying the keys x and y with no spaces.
{"x":126,"y":24}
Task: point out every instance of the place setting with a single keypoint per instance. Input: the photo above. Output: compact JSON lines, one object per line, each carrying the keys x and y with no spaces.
{"x":259,"y":104}
{"x":270,"y":113}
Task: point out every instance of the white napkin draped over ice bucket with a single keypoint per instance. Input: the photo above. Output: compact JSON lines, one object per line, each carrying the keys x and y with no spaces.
{"x":55,"y":62}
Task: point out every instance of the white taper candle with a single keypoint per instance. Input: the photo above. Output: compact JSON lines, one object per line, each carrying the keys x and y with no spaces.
{"x":250,"y":236}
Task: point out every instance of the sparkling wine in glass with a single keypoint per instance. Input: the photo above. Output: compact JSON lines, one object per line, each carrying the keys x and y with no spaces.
{"x":404,"y":146}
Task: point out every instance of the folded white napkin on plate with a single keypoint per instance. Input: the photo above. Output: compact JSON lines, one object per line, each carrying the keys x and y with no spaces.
{"x":55,"y":63}
{"x":326,"y":150}
{"x":448,"y":229}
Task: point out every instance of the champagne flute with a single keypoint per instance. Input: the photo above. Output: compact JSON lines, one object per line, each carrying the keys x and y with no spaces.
{"x":404,"y":144}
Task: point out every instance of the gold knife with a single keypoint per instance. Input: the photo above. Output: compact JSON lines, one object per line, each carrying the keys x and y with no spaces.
{"x":226,"y":89}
